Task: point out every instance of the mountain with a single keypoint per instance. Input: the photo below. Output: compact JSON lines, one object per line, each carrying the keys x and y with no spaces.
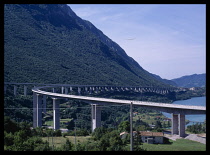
{"x":49,"y":43}
{"x":166,"y":81}
{"x":195,"y":80}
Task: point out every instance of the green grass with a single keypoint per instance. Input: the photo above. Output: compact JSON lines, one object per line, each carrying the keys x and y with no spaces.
{"x":50,"y":123}
{"x":178,"y":145}
{"x":58,"y":141}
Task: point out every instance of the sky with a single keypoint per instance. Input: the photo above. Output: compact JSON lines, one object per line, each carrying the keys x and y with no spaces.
{"x":168,"y":40}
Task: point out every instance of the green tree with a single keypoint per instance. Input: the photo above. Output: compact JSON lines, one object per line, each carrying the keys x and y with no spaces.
{"x":99,"y":132}
{"x":124,"y":126}
{"x":137,"y":142}
{"x":104,"y":143}
{"x":8,"y":139}
{"x":21,"y":138}
{"x":71,"y":125}
{"x":115,"y":142}
{"x":10,"y":126}
{"x":67,"y":146}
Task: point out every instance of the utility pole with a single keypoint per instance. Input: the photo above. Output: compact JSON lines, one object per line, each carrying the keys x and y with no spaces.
{"x":75,"y":135}
{"x":131,"y":126}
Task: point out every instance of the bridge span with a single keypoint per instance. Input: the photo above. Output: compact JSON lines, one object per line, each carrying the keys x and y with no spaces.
{"x":178,"y":112}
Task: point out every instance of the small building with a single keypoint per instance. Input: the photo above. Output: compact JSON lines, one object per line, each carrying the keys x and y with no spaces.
{"x":64,"y":130}
{"x":151,"y":125}
{"x":167,"y":119}
{"x":151,"y":137}
{"x":147,"y":136}
{"x":135,"y":113}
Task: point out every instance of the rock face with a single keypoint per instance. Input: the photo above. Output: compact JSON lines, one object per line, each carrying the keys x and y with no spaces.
{"x":49,"y":43}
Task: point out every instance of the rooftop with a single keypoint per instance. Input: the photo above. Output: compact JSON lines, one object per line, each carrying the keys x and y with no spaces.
{"x":146,"y":133}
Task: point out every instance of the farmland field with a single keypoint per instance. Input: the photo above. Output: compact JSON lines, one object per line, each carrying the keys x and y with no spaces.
{"x":178,"y":145}
{"x":58,"y":141}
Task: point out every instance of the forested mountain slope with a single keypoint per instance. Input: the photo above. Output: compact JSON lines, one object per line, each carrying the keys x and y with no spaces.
{"x":195,"y":80}
{"x":49,"y":43}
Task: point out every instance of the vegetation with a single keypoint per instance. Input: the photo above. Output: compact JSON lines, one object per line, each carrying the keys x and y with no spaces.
{"x":195,"y":80}
{"x":77,"y":114}
{"x":197,"y":128}
{"x":19,"y":137}
{"x":114,"y":120}
{"x":48,"y":43}
{"x":183,"y":95}
{"x":178,"y":145}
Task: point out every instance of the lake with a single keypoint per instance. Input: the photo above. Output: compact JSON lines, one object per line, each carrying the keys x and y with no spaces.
{"x":197,"y":101}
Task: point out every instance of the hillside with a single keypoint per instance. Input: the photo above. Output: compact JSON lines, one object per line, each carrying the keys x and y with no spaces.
{"x":166,"y":81}
{"x":195,"y":80}
{"x":49,"y":43}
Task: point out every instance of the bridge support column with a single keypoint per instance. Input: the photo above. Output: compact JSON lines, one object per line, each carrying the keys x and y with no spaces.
{"x":181,"y":125}
{"x":174,"y":128}
{"x":56,"y":114}
{"x":15,"y":90}
{"x":25,"y":90}
{"x":44,"y":104}
{"x":86,"y":90}
{"x":178,"y":124}
{"x":62,"y":90}
{"x":66,"y":90}
{"x":54,"y":90}
{"x":96,"y":116}
{"x":90,"y":90}
{"x":37,"y":110}
{"x":79,"y":91}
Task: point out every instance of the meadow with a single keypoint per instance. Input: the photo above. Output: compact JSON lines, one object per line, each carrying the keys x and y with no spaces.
{"x":178,"y":145}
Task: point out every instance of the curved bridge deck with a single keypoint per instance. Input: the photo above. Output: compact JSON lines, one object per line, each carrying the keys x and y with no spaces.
{"x":178,"y":112}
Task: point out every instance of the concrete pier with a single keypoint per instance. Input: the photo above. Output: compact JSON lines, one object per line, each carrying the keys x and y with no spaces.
{"x":62,"y":90}
{"x":54,"y":90}
{"x":86,"y":90}
{"x":15,"y":90}
{"x":37,"y":110}
{"x":174,"y":128}
{"x":178,"y":125}
{"x":44,"y":105}
{"x":96,"y":116}
{"x":66,"y":90}
{"x":181,"y":125}
{"x":25,"y":90}
{"x":56,"y":113}
{"x":79,"y":91}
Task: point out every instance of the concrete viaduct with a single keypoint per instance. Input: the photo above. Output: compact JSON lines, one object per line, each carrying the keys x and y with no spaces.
{"x":61,"y":91}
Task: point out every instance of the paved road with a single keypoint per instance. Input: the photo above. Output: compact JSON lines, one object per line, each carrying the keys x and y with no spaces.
{"x":197,"y":138}
{"x":193,"y":137}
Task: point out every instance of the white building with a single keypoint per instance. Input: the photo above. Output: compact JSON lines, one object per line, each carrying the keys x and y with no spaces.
{"x":151,"y":137}
{"x":147,"y":137}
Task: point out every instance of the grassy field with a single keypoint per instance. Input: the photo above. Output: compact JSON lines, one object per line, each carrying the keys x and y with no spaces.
{"x":58,"y":141}
{"x":178,"y":145}
{"x":62,"y":121}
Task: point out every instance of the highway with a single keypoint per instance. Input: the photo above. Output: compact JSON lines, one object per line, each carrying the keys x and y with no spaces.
{"x":199,"y":109}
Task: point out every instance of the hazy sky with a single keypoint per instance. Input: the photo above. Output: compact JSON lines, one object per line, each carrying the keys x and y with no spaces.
{"x":165,"y":39}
